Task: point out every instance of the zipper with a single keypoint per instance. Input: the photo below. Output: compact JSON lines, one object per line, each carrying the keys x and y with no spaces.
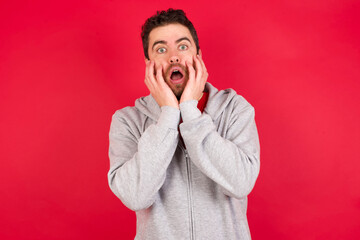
{"x":192,"y":227}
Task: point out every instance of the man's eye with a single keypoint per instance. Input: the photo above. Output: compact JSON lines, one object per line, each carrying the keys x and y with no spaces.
{"x":161,"y":50}
{"x":183,"y":47}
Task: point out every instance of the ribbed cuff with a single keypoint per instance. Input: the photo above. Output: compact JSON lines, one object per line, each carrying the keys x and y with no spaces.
{"x":189,"y":110}
{"x":169,"y":117}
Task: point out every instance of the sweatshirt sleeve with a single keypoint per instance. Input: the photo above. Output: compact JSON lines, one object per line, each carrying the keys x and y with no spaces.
{"x":232,"y":162}
{"x":138,"y":167}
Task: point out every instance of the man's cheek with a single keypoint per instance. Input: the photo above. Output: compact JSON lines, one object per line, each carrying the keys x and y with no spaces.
{"x":187,"y":58}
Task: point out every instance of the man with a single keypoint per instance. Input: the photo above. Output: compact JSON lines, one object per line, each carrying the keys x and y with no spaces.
{"x":186,"y":156}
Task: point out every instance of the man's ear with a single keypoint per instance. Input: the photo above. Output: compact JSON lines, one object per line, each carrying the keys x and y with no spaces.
{"x":200,"y":53}
{"x":146,"y":60}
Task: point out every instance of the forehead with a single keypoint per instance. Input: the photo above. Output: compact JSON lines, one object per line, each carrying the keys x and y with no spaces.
{"x":169,"y":33}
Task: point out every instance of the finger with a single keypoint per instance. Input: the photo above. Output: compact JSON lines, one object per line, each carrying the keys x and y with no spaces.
{"x":202,"y":64}
{"x":151,"y":71}
{"x":159,"y":76}
{"x":148,"y":85}
{"x":147,"y":68}
{"x":205,"y":74}
{"x":191,"y":71}
{"x":149,"y":78}
{"x":198,"y":66}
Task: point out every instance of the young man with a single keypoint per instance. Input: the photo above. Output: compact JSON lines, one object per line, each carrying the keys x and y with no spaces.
{"x":187,"y":155}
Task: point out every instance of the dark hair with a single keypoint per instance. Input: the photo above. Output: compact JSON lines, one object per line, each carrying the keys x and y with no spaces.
{"x":162,"y":18}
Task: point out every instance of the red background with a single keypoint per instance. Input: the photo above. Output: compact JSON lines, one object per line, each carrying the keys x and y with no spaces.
{"x":66,"y":67}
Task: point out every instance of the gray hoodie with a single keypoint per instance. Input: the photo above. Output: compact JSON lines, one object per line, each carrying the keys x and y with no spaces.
{"x":197,"y":192}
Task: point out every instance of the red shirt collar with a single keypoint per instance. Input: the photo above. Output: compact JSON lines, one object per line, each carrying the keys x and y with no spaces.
{"x":202,"y":102}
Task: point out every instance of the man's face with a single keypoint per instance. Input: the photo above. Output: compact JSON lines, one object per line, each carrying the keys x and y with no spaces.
{"x":170,"y":46}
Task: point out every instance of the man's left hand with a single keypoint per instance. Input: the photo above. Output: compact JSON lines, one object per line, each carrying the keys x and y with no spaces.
{"x":197,"y":79}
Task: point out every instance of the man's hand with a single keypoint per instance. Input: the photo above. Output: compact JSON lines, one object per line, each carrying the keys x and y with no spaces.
{"x":196,"y":83}
{"x":157,"y":86}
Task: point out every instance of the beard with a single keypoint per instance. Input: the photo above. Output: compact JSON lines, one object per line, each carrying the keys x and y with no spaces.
{"x":177,"y":88}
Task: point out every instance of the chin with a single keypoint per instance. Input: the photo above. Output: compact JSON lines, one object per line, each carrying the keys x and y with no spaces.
{"x":178,"y":94}
{"x":178,"y":91}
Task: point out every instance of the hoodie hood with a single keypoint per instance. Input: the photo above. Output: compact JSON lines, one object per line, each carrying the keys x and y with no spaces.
{"x":217,"y":102}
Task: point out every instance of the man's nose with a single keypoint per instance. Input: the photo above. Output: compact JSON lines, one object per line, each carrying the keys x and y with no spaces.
{"x":174,"y":59}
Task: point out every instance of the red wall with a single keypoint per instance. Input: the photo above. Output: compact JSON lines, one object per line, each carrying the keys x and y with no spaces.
{"x":66,"y":67}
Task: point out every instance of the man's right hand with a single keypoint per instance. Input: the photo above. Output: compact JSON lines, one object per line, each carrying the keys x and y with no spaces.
{"x":157,"y":86}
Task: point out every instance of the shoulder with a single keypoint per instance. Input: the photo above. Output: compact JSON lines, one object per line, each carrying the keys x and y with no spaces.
{"x":227,"y":100}
{"x":127,"y":122}
{"x":241,"y":103}
{"x":130,"y":116}
{"x":125,"y":113}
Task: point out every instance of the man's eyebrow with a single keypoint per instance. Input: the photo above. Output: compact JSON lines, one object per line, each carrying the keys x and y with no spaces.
{"x":183,"y":38}
{"x":164,"y":42}
{"x":158,"y":42}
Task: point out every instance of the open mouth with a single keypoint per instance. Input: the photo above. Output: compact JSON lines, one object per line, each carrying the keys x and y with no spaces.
{"x":176,"y":76}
